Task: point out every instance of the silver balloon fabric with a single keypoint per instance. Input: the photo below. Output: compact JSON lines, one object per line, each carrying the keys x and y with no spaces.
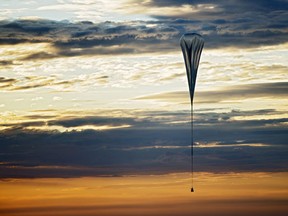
{"x":191,"y":45}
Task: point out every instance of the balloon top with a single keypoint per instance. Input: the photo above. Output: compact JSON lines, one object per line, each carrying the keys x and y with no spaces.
{"x":191,"y":36}
{"x":191,"y":45}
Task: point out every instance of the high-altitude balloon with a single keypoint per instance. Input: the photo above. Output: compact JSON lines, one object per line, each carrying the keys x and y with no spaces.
{"x":191,"y":45}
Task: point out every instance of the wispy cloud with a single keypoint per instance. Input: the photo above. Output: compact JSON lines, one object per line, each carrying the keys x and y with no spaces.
{"x":232,"y":93}
{"x":51,"y":82}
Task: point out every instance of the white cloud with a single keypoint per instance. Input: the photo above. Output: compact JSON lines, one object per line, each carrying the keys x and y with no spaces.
{"x":37,"y":98}
{"x":94,"y":10}
{"x":56,"y":98}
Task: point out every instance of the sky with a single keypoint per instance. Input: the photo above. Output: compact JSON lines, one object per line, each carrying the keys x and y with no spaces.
{"x":94,"y":89}
{"x":218,"y":194}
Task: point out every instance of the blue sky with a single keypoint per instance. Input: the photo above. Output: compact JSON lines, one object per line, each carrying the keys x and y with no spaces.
{"x":93,"y":84}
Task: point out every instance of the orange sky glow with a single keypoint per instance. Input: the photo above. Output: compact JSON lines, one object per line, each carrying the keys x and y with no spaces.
{"x":218,"y":194}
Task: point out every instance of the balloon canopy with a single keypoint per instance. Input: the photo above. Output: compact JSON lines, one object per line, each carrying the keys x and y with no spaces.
{"x":191,"y":45}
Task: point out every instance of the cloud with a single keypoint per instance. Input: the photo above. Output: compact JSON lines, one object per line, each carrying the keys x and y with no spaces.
{"x":56,"y":98}
{"x":12,"y":84}
{"x":93,"y":120}
{"x":156,"y":142}
{"x":247,"y":5}
{"x":226,"y":23}
{"x":39,"y":55}
{"x":6,"y":63}
{"x":239,"y":11}
{"x":50,"y":81}
{"x":68,"y":39}
{"x":232,"y":93}
{"x":83,"y":38}
{"x":7,"y":82}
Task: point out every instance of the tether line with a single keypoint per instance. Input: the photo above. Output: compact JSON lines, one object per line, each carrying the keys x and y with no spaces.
{"x":192,"y":149}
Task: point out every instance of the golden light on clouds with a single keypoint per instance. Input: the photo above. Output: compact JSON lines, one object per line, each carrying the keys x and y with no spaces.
{"x":78,"y":128}
{"x":19,"y":52}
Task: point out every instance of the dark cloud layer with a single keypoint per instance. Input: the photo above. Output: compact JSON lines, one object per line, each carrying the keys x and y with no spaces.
{"x":229,"y":6}
{"x":154,"y":144}
{"x":238,"y":24}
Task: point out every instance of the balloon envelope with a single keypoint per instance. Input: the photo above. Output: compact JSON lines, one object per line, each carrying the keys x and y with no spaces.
{"x":191,"y":45}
